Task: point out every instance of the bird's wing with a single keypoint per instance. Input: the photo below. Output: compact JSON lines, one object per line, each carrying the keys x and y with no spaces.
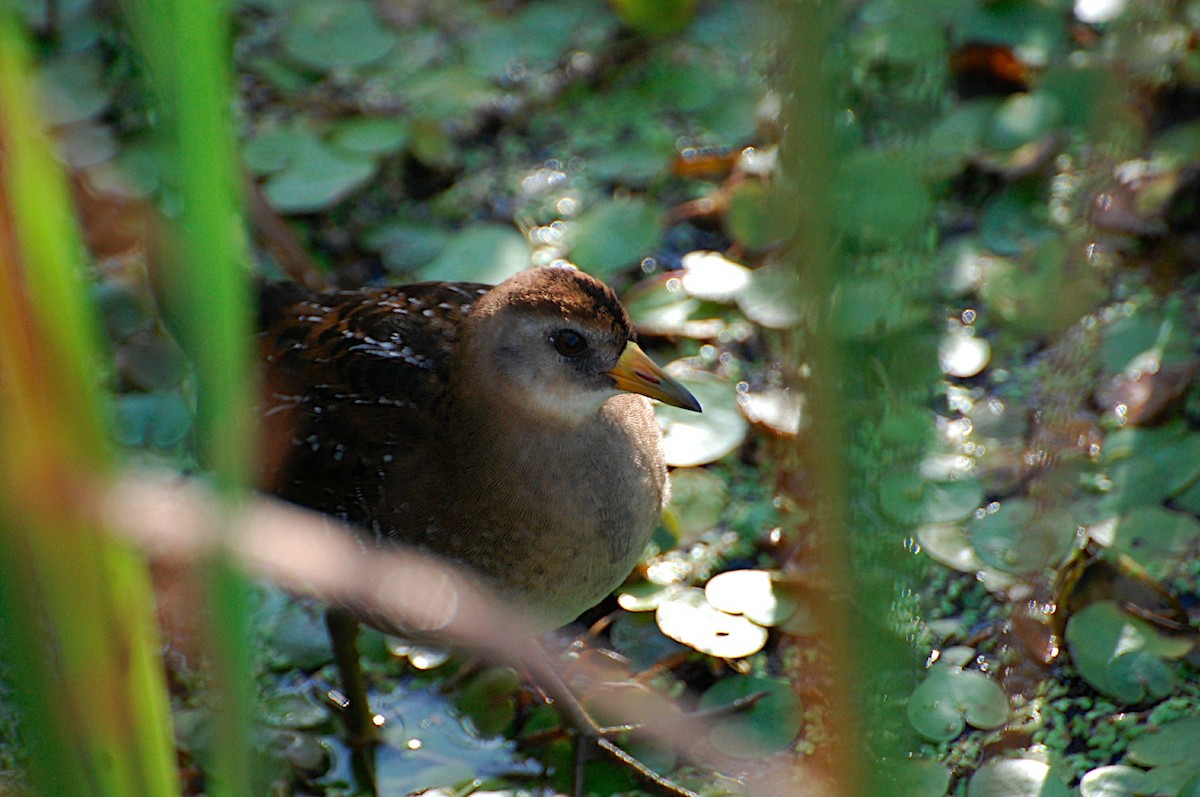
{"x":351,"y":381}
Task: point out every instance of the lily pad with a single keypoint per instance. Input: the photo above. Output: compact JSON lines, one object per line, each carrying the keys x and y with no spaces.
{"x":1174,"y":742}
{"x":74,"y":88}
{"x":307,"y":175}
{"x":1113,"y":781}
{"x":879,"y":197}
{"x":612,"y":235}
{"x":1156,"y":537}
{"x":489,"y":699}
{"x":335,"y":33}
{"x":698,"y":498}
{"x":489,"y":253}
{"x":752,"y":594}
{"x":1023,"y":118}
{"x":768,"y":726}
{"x":292,"y":711}
{"x":867,"y":309}
{"x":660,"y":305}
{"x":711,"y":276}
{"x":908,"y":497}
{"x":691,"y":438}
{"x":690,"y":619}
{"x":772,"y":297}
{"x":152,"y":420}
{"x":1122,"y":656}
{"x":380,"y":136}
{"x":1147,"y":466}
{"x":1021,"y":537}
{"x":1016,"y":777}
{"x":947,"y":543}
{"x":951,"y":697}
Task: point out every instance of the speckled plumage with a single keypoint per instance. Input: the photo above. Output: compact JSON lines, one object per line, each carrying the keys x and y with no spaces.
{"x":440,"y":415}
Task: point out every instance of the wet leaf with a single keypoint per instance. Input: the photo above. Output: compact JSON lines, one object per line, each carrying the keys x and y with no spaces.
{"x":879,"y":197}
{"x":947,"y":543}
{"x":489,"y":253}
{"x":1016,"y":777}
{"x":1120,"y":655}
{"x":772,"y":297}
{"x":950,"y":697}
{"x":376,"y":136}
{"x":698,"y":498}
{"x":691,"y":438}
{"x":1147,"y":466}
{"x":489,"y":699}
{"x":752,"y":594}
{"x":1174,"y":742}
{"x":768,"y":726}
{"x":1113,"y":781}
{"x":778,"y":410}
{"x":152,"y":420}
{"x":690,"y":619}
{"x":638,"y":638}
{"x":335,"y":33}
{"x":612,"y":235}
{"x":1156,"y":537}
{"x":659,"y":305}
{"x":922,"y":777}
{"x":292,"y":711}
{"x":1022,"y":537}
{"x":306,"y":174}
{"x":299,"y":639}
{"x":74,"y":88}
{"x":655,"y":17}
{"x":909,"y":497}
{"x":1022,"y":119}
{"x":710,"y":276}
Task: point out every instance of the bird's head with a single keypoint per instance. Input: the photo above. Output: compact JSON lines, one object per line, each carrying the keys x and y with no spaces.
{"x":558,"y":342}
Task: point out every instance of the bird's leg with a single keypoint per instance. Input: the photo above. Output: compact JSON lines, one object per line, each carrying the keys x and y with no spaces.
{"x":361,"y":731}
{"x":588,"y":734}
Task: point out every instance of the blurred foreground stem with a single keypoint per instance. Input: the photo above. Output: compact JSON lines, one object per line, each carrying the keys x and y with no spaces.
{"x":77,"y":609}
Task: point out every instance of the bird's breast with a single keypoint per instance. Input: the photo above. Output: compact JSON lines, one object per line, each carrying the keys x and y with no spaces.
{"x":556,"y":519}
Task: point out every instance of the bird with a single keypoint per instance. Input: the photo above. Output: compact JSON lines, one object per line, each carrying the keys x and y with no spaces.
{"x":507,"y":429}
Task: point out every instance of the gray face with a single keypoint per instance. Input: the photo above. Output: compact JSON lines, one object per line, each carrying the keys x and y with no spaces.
{"x":554,"y":363}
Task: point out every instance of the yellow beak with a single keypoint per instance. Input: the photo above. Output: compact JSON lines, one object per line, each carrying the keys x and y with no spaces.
{"x":637,"y":373}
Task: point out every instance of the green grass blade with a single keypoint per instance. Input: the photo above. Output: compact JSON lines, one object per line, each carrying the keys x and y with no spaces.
{"x":81,"y":645}
{"x":186,"y":48}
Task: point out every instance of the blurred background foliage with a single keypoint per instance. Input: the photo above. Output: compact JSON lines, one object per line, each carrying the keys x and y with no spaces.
{"x":930,"y":267}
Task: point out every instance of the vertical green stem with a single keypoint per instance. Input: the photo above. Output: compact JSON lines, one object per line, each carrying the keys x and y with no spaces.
{"x":77,"y":607}
{"x":187,"y":49}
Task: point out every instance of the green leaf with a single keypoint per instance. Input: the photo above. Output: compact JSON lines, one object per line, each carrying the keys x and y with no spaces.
{"x":1022,"y":537}
{"x":1121,"y":655}
{"x":688,"y":618}
{"x":489,"y":253}
{"x":1113,"y":781}
{"x":1174,"y":742}
{"x":768,"y":726}
{"x":752,"y":594}
{"x":950,"y":696}
{"x":612,"y":235}
{"x":335,"y":33}
{"x":1016,"y":777}
{"x":698,"y":438}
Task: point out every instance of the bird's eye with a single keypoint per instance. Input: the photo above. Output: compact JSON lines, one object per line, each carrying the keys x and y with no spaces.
{"x":568,"y":342}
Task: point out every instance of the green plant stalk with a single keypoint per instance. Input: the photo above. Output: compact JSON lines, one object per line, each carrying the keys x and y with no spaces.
{"x":78,"y":607}
{"x":187,"y":50}
{"x":856,"y":555}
